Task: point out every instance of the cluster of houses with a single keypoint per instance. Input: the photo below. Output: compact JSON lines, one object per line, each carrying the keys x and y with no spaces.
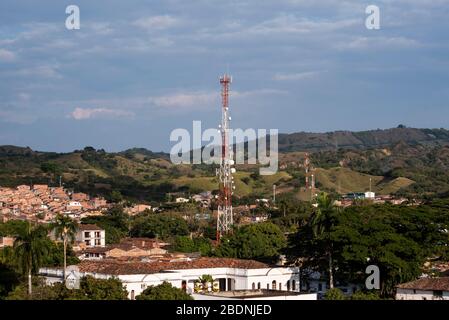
{"x":350,"y":198}
{"x":44,"y":203}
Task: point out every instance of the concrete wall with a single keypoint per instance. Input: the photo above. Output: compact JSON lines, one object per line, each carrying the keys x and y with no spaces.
{"x":308,"y":296}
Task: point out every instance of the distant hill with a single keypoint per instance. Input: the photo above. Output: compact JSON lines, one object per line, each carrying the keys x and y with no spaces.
{"x":303,"y":141}
{"x":405,"y":161}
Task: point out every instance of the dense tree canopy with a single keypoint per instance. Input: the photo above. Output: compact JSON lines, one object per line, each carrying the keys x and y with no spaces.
{"x":90,"y":289}
{"x":164,"y":291}
{"x":398,"y":239}
{"x":159,"y":225}
{"x":262,"y":241}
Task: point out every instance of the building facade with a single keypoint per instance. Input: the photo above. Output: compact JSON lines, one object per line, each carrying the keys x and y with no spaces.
{"x":91,"y":236}
{"x":229,"y":274}
{"x":424,"y":289}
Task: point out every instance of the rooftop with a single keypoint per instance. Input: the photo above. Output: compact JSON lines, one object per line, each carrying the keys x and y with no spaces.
{"x":89,"y":227}
{"x":117,"y":267}
{"x":427,"y":284}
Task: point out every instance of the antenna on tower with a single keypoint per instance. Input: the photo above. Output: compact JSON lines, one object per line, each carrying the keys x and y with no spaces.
{"x":225,"y":216}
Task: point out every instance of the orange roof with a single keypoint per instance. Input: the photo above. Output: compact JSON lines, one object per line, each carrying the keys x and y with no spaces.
{"x":427,"y":284}
{"x":115,"y":267}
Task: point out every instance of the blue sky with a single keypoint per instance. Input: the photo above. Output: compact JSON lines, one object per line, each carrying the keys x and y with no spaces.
{"x":136,"y":70}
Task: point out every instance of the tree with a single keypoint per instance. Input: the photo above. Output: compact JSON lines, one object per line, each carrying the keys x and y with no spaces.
{"x":263,"y":241}
{"x":164,"y":291}
{"x":64,"y":228}
{"x":90,"y":289}
{"x":160,"y":225}
{"x":205,"y":279}
{"x":334,"y":294}
{"x":184,"y":244}
{"x":30,"y":249}
{"x":322,"y":222}
{"x":360,"y":295}
{"x":102,"y":289}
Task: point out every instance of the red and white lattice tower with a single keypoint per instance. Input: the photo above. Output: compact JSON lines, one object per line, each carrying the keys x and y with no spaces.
{"x":225,"y":218}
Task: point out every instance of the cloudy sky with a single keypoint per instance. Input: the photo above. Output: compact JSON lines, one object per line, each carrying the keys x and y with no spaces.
{"x":136,"y":70}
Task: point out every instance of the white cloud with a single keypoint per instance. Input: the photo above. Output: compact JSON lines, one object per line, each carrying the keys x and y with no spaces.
{"x":199,"y":100}
{"x":183,"y":100}
{"x":6,"y":55}
{"x":157,"y":22}
{"x":295,"y":76}
{"x":379,"y":42}
{"x":86,"y":113}
{"x":47,"y":71}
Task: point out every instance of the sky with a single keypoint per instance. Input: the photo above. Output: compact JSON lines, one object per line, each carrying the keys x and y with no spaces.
{"x":136,"y":70}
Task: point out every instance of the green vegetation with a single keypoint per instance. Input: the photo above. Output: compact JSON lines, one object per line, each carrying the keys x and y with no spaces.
{"x":90,"y":289}
{"x":164,"y":291}
{"x":398,"y":239}
{"x":334,"y":294}
{"x":187,"y":244}
{"x":263,"y":241}
{"x":30,"y":248}
{"x":161,"y":225}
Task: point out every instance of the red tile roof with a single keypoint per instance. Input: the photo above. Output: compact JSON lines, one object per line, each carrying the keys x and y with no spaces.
{"x":114,"y":267}
{"x":89,"y":227}
{"x":427,"y":284}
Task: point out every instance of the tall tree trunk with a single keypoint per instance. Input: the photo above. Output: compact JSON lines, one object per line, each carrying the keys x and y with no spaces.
{"x":65,"y":258}
{"x":331,"y":271}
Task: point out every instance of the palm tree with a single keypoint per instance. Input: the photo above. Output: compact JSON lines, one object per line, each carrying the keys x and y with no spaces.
{"x":30,"y":248}
{"x":205,"y":279}
{"x":65,"y":229}
{"x":321,"y":223}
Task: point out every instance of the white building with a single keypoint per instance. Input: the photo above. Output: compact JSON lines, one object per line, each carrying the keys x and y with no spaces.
{"x":91,"y":235}
{"x":424,"y":289}
{"x":370,"y":195}
{"x":262,"y":294}
{"x":230,"y":274}
{"x":182,"y":200}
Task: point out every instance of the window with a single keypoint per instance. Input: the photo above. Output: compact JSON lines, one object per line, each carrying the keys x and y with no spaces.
{"x":97,"y":234}
{"x":294,"y":285}
{"x":132,"y":294}
{"x":258,"y":286}
{"x":184,"y":285}
{"x":268,"y":286}
{"x":280,"y":286}
{"x":87,"y":242}
{"x":288,"y":285}
{"x":254,"y":286}
{"x":97,"y":242}
{"x":87,"y":234}
{"x":273,"y":285}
